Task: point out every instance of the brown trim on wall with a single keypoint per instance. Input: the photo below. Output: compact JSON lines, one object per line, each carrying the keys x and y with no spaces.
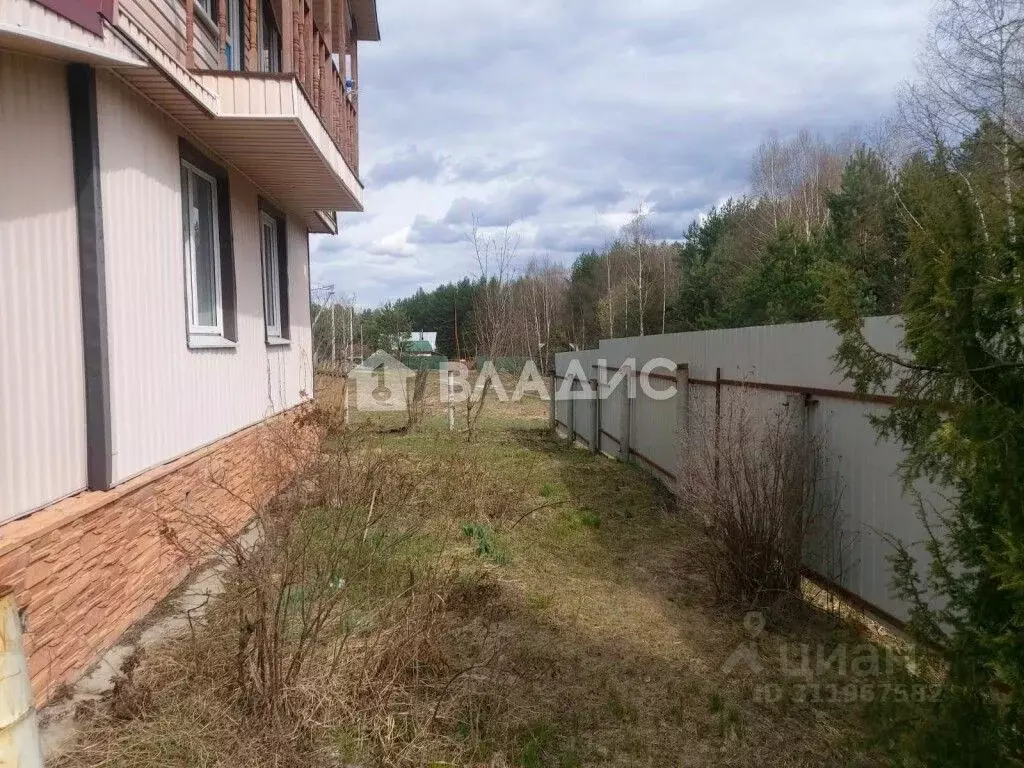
{"x":88,"y":14}
{"x":795,"y":389}
{"x":85,"y":152}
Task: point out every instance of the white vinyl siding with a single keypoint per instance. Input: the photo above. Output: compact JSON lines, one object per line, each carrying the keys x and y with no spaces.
{"x":42,"y":376}
{"x":202,"y":253}
{"x":166,"y":398}
{"x":269,"y":238}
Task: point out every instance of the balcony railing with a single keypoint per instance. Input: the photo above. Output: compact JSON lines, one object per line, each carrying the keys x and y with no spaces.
{"x":322,"y":79}
{"x":306,"y":54}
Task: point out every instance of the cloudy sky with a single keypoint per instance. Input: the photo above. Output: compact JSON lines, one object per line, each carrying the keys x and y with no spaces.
{"x":559,"y":116}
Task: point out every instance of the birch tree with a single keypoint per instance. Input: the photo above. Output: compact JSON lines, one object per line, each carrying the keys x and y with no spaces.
{"x":972,"y":71}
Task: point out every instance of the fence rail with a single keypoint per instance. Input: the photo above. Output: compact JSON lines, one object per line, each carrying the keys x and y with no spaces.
{"x":771,"y":366}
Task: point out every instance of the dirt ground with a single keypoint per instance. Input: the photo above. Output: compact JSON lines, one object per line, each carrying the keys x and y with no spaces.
{"x":602,"y":644}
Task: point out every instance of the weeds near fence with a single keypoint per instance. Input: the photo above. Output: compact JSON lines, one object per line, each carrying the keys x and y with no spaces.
{"x":757,"y":483}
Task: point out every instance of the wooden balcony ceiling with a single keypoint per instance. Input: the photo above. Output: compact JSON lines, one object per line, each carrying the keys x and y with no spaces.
{"x":328,"y":14}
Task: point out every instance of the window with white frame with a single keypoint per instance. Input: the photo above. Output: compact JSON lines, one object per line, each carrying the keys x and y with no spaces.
{"x":275,"y":275}
{"x":202,"y":253}
{"x":209,"y":267}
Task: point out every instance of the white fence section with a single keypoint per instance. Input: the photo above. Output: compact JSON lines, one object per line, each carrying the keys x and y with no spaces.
{"x":768,"y":366}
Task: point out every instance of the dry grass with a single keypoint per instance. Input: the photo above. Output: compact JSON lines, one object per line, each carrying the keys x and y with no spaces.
{"x":565,"y":627}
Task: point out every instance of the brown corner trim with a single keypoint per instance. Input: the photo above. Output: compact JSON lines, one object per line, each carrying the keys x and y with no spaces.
{"x":88,"y":14}
{"x":85,"y":151}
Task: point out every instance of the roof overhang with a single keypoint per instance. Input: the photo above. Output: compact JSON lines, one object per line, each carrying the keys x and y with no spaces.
{"x":367,"y":25}
{"x":261,"y":124}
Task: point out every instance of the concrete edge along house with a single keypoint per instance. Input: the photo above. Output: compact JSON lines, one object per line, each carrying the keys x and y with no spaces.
{"x":162,"y":164}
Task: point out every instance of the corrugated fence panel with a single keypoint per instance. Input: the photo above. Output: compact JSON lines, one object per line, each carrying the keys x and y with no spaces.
{"x":652,"y":423}
{"x":42,"y":385}
{"x":168,"y":399}
{"x":583,"y":414}
{"x":859,"y":472}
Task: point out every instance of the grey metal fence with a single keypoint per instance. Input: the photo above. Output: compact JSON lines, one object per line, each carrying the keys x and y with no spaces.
{"x":773,"y":366}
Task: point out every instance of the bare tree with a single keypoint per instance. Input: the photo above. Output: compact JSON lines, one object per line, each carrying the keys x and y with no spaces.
{"x":611,"y":306}
{"x":638,"y":239}
{"x":495,"y":257}
{"x":972,"y":70}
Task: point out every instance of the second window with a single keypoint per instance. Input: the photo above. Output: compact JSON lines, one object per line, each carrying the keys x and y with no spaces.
{"x":275,"y":276}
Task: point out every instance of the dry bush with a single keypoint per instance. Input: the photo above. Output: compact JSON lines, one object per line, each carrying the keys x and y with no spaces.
{"x":331,"y":640}
{"x":757,"y":484}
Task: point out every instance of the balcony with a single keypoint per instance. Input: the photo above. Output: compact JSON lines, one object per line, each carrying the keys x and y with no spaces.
{"x":297,"y":46}
{"x":294,"y":132}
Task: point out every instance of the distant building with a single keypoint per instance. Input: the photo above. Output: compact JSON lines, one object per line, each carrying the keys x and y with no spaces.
{"x":420,"y":343}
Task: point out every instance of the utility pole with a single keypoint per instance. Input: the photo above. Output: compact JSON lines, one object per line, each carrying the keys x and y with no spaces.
{"x":458,"y":350}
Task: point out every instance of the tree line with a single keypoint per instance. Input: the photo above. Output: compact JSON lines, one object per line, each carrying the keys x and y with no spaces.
{"x":760,"y":258}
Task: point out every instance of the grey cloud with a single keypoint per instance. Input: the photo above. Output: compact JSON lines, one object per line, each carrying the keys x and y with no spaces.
{"x":429,"y":231}
{"x":573,"y":239}
{"x":409,"y":163}
{"x":413,"y":163}
{"x":594,"y":102}
{"x":670,"y":226}
{"x":479,"y":170}
{"x":600,"y":198}
{"x":665,"y":201}
{"x":521,"y":202}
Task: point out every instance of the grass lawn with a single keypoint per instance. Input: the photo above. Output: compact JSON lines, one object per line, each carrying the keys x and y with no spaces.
{"x":596,"y":643}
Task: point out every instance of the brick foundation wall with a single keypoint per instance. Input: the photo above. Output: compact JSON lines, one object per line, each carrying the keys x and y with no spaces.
{"x":84,"y":570}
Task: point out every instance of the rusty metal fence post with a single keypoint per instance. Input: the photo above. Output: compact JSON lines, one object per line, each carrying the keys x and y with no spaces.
{"x":595,"y":432}
{"x":572,"y":411}
{"x":682,"y":427}
{"x":552,"y":400}
{"x":625,"y":416}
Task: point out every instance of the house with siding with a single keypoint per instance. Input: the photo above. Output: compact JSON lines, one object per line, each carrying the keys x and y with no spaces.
{"x":162,"y":165}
